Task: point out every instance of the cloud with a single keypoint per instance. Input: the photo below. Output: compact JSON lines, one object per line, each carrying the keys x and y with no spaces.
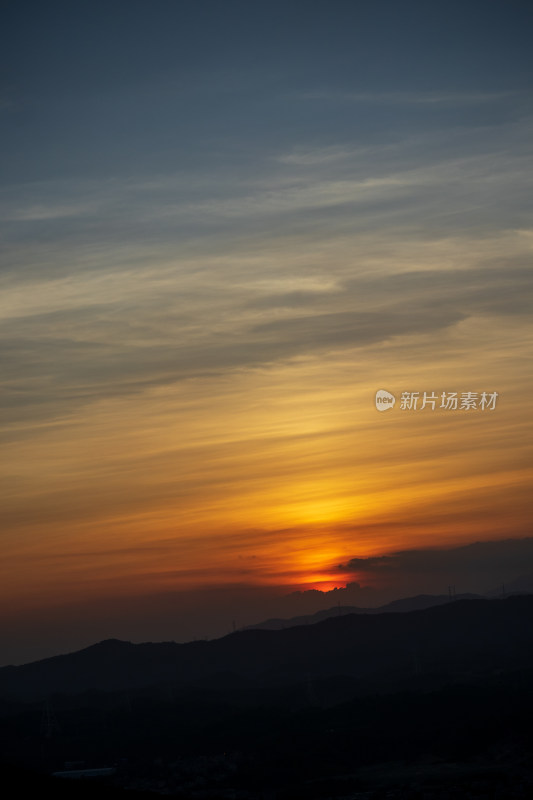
{"x":352,"y":329}
{"x":413,"y":98}
{"x":162,"y":326}
{"x":481,"y":564}
{"x":113,"y":287}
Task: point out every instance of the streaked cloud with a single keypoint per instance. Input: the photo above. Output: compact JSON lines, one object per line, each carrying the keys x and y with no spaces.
{"x":437,"y":97}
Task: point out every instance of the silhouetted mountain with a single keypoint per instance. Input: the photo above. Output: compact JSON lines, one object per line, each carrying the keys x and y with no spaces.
{"x":378,"y":651}
{"x":396,"y":606}
{"x":430,"y":703}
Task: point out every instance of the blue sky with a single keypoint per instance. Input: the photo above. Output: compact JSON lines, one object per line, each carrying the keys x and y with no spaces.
{"x":107,"y":89}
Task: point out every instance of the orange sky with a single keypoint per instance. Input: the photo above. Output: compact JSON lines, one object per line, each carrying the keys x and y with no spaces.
{"x":271,"y":475}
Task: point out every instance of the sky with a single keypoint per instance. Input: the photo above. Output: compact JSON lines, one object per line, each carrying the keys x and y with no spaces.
{"x":225,"y":227}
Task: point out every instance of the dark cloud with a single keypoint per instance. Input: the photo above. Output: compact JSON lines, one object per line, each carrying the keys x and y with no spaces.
{"x":485,"y":564}
{"x":504,"y":287}
{"x":355,"y":328}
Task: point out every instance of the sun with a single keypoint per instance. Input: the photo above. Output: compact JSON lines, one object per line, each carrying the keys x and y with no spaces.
{"x":323,"y":584}
{"x":316,"y":566}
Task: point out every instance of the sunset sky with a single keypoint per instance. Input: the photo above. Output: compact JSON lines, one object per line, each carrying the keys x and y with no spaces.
{"x":225,"y":226}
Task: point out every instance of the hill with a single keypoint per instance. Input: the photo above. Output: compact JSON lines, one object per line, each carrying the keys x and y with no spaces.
{"x":396,"y":606}
{"x":377,"y":650}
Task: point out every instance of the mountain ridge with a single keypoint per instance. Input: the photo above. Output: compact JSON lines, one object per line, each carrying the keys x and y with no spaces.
{"x":415,"y":603}
{"x":444,"y":640}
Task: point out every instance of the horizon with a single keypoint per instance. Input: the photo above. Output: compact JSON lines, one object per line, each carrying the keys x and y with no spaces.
{"x":296,"y":622}
{"x":299,"y":605}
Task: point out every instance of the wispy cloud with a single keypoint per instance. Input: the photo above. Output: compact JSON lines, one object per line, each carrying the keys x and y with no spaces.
{"x":437,"y":97}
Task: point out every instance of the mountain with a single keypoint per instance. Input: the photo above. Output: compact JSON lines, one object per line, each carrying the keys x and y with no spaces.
{"x":396,"y":606}
{"x":378,"y":651}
